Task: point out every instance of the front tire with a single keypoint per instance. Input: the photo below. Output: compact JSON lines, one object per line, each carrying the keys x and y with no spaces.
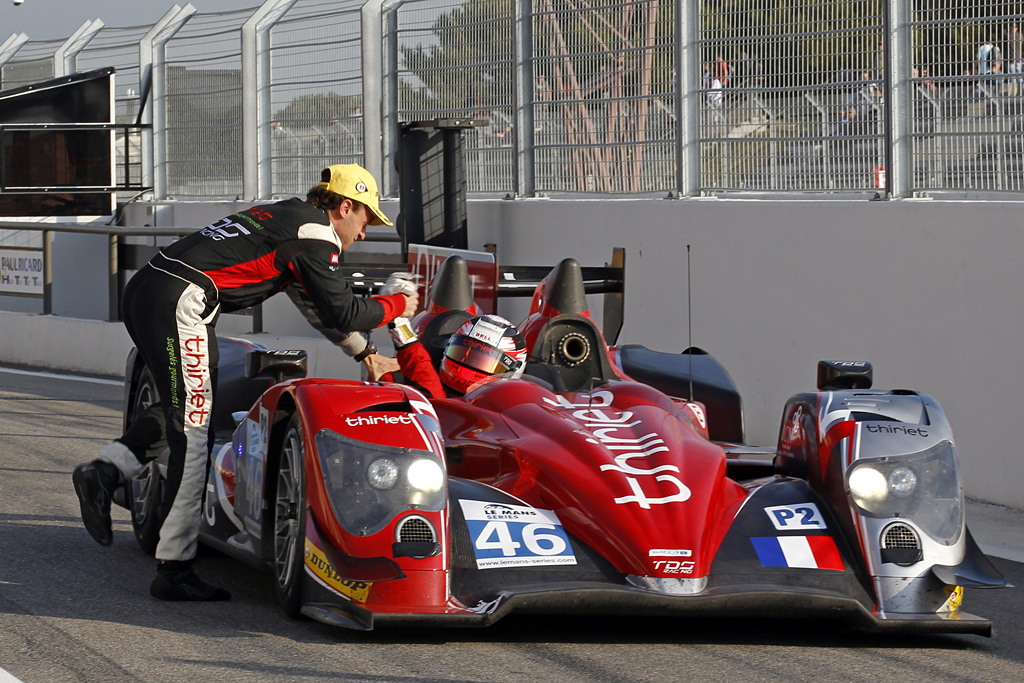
{"x":290,"y":520}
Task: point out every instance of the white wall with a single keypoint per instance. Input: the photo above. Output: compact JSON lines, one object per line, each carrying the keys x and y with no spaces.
{"x":932,"y":293}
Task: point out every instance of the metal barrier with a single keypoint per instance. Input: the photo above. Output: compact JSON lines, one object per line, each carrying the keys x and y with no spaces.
{"x":123,"y":257}
{"x":112,"y":233}
{"x":603,"y":97}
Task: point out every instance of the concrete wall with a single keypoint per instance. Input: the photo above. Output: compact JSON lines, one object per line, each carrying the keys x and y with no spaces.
{"x":101,"y":348}
{"x":931,"y":292}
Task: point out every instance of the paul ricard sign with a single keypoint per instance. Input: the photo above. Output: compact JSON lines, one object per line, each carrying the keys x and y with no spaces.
{"x":21,"y":272}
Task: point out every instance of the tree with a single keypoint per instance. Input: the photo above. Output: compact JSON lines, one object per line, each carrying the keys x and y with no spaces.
{"x":319,"y":108}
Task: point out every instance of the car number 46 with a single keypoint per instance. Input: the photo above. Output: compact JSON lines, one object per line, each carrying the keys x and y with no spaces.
{"x":496,"y":535}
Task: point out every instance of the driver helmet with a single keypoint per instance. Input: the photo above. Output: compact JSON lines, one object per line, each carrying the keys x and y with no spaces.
{"x":483,"y":347}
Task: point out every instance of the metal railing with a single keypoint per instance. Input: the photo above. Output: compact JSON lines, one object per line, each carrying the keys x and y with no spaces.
{"x":604,"y":97}
{"x":124,"y":257}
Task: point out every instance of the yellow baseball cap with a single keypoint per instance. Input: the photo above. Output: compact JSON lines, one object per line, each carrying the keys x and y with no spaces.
{"x":356,"y":183}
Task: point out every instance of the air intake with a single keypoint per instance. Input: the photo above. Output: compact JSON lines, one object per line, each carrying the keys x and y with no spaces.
{"x":415,"y":537}
{"x":415,"y":529}
{"x":901,"y":545}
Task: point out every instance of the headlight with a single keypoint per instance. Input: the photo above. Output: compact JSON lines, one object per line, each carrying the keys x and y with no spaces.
{"x":368,"y":484}
{"x":426,"y":475}
{"x":923,"y":487}
{"x":867,"y":486}
{"x":902,"y":482}
{"x":382,"y":473}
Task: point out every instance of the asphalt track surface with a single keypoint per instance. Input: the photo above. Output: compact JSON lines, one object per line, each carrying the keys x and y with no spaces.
{"x":71,"y":610}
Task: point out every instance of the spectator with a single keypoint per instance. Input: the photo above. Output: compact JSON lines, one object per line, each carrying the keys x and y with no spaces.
{"x":989,"y":61}
{"x":720,"y":70}
{"x":843,"y":127}
{"x":542,"y":89}
{"x":928,"y":82}
{"x":879,"y":63}
{"x":1014,"y":52}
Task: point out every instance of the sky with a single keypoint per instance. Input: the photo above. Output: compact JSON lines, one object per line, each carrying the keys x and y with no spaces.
{"x":49,"y":19}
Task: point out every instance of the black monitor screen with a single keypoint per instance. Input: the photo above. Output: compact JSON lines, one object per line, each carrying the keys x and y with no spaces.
{"x":59,"y":159}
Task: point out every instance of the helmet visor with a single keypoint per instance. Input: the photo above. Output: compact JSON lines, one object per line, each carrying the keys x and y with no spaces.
{"x":473,"y":353}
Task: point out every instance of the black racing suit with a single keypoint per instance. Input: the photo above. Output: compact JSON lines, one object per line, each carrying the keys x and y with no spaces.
{"x":171,"y":306}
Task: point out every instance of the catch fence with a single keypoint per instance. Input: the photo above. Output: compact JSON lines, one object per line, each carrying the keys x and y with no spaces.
{"x":587,"y":97}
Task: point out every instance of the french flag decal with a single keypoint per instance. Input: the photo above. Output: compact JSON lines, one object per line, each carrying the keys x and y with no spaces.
{"x":804,"y":552}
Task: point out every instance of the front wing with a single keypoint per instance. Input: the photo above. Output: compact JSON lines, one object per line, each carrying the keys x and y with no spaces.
{"x":747,"y":579}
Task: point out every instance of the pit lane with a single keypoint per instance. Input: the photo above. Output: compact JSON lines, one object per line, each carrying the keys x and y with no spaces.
{"x":71,"y":610}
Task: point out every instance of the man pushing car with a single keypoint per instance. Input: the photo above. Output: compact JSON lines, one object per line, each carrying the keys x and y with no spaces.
{"x":170,"y":308}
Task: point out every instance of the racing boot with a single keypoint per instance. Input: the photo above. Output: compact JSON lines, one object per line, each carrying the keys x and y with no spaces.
{"x":175,"y":581}
{"x":94,"y":483}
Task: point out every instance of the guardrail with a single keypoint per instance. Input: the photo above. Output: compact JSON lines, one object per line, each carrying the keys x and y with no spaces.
{"x":125,"y":257}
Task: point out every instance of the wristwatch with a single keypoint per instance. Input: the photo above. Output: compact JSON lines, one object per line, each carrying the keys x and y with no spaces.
{"x":370,"y":349}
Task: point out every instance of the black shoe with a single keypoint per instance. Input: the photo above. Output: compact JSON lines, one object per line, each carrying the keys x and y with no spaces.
{"x":94,"y":482}
{"x":175,"y":581}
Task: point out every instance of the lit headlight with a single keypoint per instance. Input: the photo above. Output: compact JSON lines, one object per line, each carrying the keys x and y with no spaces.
{"x":369,"y":484}
{"x":868,"y":486}
{"x":426,"y":475}
{"x":923,"y":487}
{"x":382,"y":473}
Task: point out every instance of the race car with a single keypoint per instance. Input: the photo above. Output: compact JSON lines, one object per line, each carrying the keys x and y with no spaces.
{"x":607,"y":480}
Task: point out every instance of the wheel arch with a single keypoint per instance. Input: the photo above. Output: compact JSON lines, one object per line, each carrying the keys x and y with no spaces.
{"x":132,"y":372}
{"x":286,"y":407}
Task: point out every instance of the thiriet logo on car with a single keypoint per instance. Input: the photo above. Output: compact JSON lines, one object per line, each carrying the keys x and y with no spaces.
{"x":895,"y":429}
{"x":373,"y":420}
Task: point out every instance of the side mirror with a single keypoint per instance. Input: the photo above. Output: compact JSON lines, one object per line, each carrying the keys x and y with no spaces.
{"x":836,"y":375}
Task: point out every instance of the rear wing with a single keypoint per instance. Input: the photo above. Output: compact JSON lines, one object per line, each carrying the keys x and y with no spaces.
{"x":491,"y":280}
{"x":609,"y":280}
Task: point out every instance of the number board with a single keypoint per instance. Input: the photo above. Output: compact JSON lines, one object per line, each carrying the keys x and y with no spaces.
{"x":515,"y":535}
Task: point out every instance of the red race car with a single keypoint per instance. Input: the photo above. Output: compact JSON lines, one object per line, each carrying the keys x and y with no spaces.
{"x":607,"y":480}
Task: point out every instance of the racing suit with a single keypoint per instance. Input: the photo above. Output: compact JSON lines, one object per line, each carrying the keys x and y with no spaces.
{"x":418,"y":371}
{"x":170,"y":308}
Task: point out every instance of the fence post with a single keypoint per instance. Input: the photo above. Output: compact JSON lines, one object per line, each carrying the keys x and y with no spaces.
{"x":10,"y":47}
{"x":899,"y":105}
{"x":113,"y":309}
{"x":146,"y":97}
{"x":524,"y":95}
{"x":256,"y":152}
{"x":159,"y":43}
{"x":377,"y":140}
{"x":47,"y":272}
{"x":64,"y":58}
{"x":388,"y":76}
{"x":687,"y":99}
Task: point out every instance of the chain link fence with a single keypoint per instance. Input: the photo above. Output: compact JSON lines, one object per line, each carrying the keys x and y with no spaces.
{"x":316,"y":103}
{"x":591,"y":97}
